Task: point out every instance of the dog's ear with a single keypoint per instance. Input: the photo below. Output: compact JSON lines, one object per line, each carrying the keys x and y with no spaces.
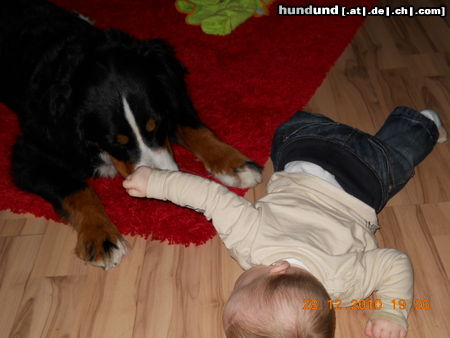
{"x":115,"y":37}
{"x":160,"y":49}
{"x":154,"y":50}
{"x":162,"y":65}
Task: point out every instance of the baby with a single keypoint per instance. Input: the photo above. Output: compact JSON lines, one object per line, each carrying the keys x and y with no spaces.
{"x":309,"y":245}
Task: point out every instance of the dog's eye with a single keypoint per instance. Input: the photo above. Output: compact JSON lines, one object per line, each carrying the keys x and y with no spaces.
{"x":122,"y":139}
{"x":150,"y":126}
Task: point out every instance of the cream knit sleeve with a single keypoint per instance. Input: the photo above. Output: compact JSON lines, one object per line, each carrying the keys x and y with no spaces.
{"x":231,"y":214}
{"x":390,"y":275}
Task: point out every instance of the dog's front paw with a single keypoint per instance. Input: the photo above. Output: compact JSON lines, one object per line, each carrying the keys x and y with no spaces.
{"x":101,"y":247}
{"x":245,"y":176}
{"x":223,"y":161}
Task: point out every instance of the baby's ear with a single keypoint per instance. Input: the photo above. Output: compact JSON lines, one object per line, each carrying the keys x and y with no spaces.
{"x":279,"y":268}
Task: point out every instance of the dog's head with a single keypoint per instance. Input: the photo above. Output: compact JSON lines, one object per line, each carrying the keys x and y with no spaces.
{"x":132,"y":94}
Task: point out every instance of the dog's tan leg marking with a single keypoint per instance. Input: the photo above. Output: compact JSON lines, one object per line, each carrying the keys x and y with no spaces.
{"x":223,"y":161}
{"x":99,"y":241}
{"x":124,"y":168}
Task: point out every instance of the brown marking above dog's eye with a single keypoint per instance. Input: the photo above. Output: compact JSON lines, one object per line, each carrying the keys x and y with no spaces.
{"x":122,"y":139}
{"x":150,"y":126}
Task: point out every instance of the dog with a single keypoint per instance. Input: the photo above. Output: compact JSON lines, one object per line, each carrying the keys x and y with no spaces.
{"x":95,"y":102}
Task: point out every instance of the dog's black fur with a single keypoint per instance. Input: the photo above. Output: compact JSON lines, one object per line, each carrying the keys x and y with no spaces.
{"x":66,"y":81}
{"x":64,"y":78}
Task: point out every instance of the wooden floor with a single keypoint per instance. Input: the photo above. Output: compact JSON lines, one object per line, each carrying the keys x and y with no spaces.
{"x":170,"y":291}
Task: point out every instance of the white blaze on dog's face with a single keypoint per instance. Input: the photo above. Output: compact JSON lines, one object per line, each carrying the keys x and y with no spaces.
{"x":127,"y":114}
{"x":156,"y":158}
{"x":131,"y":150}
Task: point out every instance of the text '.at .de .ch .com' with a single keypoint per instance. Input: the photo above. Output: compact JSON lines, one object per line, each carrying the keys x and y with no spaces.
{"x":344,"y":11}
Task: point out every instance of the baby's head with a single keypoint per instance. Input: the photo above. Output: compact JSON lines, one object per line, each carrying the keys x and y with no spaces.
{"x":268,"y":301}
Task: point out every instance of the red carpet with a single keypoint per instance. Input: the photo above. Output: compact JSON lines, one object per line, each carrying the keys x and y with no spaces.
{"x":243,"y":85}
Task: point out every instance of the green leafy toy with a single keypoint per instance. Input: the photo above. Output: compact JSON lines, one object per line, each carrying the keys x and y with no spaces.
{"x":221,"y":17}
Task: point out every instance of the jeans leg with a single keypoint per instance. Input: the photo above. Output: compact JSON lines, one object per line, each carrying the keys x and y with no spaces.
{"x":410,"y":133}
{"x":407,"y":137}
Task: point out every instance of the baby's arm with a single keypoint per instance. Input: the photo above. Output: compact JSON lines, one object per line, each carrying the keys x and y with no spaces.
{"x":390,"y":274}
{"x":226,"y":209}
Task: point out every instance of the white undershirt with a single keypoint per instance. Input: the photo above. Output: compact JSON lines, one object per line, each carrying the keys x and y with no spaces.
{"x":296,"y":262}
{"x":312,"y":169}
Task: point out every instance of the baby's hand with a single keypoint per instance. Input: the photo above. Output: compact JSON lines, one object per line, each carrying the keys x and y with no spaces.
{"x":383,"y":328}
{"x":136,"y":183}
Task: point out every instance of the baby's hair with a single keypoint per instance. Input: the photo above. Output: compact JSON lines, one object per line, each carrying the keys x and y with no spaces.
{"x":275,"y":309}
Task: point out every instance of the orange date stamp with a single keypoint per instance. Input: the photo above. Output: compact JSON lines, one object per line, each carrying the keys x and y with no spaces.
{"x":367,"y":304}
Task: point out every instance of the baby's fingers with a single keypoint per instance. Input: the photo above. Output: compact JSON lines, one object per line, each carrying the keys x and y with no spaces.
{"x":128,"y":183}
{"x":400,"y":333}
{"x":368,"y":329}
{"x":135,"y":192}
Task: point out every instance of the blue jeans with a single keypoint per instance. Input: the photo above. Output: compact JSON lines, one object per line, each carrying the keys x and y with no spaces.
{"x":371,"y":168}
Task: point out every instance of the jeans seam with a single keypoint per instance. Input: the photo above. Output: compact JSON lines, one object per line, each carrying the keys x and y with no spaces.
{"x":285,"y":137}
{"x":385,"y":194}
{"x":354,"y":131}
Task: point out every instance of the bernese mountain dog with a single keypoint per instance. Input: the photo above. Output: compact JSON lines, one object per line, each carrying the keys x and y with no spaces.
{"x":92,"y":103}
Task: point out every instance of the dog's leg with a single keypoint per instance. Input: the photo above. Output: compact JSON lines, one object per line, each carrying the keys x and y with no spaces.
{"x":221,"y":160}
{"x":99,"y":241}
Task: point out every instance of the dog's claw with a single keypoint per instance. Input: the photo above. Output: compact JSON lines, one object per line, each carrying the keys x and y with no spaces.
{"x":105,"y":254}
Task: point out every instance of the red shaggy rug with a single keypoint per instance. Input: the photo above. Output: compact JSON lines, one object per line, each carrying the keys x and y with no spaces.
{"x":243,"y":85}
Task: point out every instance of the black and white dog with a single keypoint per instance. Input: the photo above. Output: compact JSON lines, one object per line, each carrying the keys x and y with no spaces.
{"x":96,"y":102}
